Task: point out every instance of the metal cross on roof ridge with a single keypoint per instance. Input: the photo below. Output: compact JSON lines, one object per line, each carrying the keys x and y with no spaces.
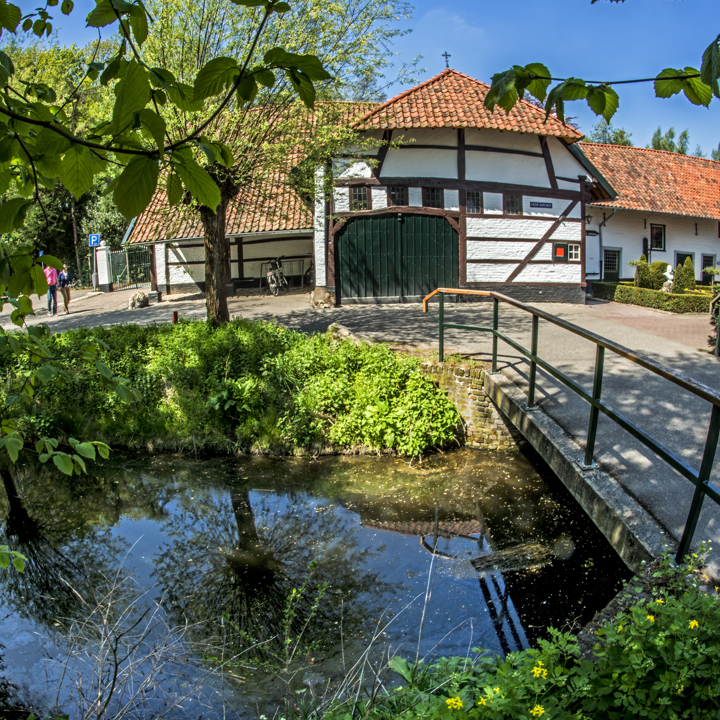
{"x":447,"y":57}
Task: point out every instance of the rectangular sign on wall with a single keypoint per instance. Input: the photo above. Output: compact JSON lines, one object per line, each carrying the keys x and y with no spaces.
{"x":540,"y":204}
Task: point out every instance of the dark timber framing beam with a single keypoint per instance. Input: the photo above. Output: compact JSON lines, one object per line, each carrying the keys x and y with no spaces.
{"x":548,"y":234}
{"x":548,"y":162}
{"x":382,"y":152}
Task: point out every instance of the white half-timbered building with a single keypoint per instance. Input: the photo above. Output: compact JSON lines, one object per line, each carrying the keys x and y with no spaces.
{"x":456,"y":196}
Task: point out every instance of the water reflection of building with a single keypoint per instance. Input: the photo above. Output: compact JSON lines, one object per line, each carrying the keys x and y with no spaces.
{"x":494,"y":589}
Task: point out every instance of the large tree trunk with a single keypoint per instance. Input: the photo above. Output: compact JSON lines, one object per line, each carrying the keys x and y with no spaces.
{"x":216,"y":261}
{"x":75,"y":235}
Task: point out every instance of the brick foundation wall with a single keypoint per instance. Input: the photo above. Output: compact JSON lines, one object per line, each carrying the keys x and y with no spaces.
{"x":485,"y":427}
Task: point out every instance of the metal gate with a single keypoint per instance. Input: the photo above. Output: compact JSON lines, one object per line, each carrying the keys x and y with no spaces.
{"x":396,"y":256}
{"x":131,"y":267}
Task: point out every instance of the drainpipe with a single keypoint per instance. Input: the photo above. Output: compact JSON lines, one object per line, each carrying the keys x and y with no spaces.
{"x":600,"y":227}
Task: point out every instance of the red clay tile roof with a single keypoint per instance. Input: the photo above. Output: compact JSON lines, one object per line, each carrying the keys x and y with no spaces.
{"x":273,"y":206}
{"x":454,"y":100}
{"x":658,"y":181}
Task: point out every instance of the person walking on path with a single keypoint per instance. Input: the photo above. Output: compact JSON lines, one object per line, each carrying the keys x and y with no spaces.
{"x":64,"y":281}
{"x":52,"y":277}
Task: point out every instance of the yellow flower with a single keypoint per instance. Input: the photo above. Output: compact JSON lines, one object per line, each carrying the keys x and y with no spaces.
{"x":497,"y":690}
{"x":651,"y":618}
{"x":620,"y":629}
{"x":693,"y":624}
{"x":537,"y":711}
{"x":680,"y":689}
{"x":537,"y":671}
{"x":454,"y":703}
{"x":482,"y":701}
{"x":659,"y":601}
{"x":544,"y":674}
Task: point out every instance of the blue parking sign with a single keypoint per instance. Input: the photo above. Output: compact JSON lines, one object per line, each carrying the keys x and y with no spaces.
{"x":94,"y":240}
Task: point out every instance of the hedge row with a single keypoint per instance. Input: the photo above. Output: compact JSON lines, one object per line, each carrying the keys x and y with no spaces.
{"x":630,"y":295}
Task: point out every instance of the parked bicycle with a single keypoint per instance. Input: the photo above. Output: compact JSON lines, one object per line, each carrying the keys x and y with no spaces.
{"x":275,"y":277}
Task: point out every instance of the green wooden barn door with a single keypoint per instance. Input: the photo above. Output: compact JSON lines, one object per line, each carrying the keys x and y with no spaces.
{"x":391,"y":256}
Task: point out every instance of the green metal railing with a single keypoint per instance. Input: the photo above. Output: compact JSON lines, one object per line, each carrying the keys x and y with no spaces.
{"x":700,"y":478}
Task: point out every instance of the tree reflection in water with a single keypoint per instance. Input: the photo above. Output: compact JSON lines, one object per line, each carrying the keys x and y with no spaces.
{"x":66,"y":556}
{"x":238,"y":559}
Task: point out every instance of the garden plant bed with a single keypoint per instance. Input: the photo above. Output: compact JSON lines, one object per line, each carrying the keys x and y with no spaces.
{"x":631,"y":295}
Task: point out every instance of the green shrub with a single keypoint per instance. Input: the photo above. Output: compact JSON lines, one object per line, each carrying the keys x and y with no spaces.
{"x":641,"y":271}
{"x":659,"y":660}
{"x":249,"y":386}
{"x":630,"y":295}
{"x":689,"y":273}
{"x":656,"y":275}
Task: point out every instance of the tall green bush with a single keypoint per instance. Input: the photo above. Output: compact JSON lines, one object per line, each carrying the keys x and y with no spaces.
{"x":245,"y":386}
{"x":689,"y":273}
{"x":641,"y":271}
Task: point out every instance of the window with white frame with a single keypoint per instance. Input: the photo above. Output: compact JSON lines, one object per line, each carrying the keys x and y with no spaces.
{"x":573,"y":252}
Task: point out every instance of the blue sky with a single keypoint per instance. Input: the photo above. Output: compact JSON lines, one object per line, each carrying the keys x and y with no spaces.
{"x":604,"y":41}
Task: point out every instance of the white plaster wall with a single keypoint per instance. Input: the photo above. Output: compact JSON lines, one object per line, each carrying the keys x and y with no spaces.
{"x":505,"y":168}
{"x":565,"y":185}
{"x":568,"y":231}
{"x":498,"y":138}
{"x":350,"y":169}
{"x":506,"y":228}
{"x":185,"y":274}
{"x":341,"y":199}
{"x":490,"y":250}
{"x":160,"y":267}
{"x":625,"y":230}
{"x":557,"y":209}
{"x":554,"y":273}
{"x":563,"y":162}
{"x":319,"y":239}
{"x":491,"y":272}
{"x":420,"y":163}
{"x":520,"y":228}
{"x":255,"y":254}
{"x":379,"y":198}
{"x":452,"y":200}
{"x":371,"y":149}
{"x":427,"y":136}
{"x":493,"y":203}
{"x":415,"y":197}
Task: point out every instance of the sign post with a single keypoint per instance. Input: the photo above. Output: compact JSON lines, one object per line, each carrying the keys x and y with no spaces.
{"x":94,"y":243}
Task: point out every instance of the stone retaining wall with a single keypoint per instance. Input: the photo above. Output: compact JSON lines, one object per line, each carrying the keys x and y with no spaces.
{"x":485,"y":427}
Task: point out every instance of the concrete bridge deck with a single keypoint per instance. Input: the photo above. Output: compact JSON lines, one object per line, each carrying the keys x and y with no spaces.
{"x":673,"y":416}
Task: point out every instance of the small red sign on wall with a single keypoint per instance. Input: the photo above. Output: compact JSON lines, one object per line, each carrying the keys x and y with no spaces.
{"x":560,"y":252}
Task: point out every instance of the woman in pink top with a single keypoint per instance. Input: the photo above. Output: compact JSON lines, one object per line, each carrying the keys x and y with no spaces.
{"x":52,"y":278}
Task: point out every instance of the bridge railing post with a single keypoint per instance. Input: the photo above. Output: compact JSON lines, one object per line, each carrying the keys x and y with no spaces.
{"x":496,"y":313}
{"x":441,"y":324}
{"x":533,"y":363}
{"x":594,"y":409}
{"x":703,"y":480}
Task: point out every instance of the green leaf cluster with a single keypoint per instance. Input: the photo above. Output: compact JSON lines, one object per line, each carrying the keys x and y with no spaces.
{"x":241,"y":386}
{"x":658,"y":660}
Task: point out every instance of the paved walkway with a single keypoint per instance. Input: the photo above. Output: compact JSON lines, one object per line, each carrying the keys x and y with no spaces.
{"x":673,"y":416}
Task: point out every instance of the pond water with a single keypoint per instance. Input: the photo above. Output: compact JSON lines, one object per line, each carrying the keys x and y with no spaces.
{"x":468,"y":550}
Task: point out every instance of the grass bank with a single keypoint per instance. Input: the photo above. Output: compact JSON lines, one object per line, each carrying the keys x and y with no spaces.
{"x":244,"y":387}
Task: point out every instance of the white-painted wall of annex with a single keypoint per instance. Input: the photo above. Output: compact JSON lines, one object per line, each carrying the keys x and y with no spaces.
{"x":625,"y":232}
